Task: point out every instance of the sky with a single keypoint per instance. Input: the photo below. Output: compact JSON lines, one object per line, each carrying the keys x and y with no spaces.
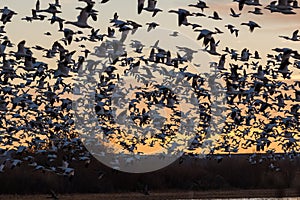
{"x":263,"y":40}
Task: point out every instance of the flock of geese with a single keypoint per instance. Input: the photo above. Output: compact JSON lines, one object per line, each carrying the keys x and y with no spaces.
{"x":262,"y":103}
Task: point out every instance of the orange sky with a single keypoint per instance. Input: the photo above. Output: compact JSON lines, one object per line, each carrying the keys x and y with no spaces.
{"x":263,"y":39}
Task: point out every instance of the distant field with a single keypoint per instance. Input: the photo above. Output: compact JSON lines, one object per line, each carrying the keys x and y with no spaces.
{"x":165,"y":195}
{"x":232,"y":178}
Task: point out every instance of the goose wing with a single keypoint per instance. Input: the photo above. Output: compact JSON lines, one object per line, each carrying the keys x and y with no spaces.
{"x":295,"y":34}
{"x":232,"y":11}
{"x":241,"y":4}
{"x":140,"y":6}
{"x":181,"y":18}
{"x":83,"y":16}
{"x":37,"y":5}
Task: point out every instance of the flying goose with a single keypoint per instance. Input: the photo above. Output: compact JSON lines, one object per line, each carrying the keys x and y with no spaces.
{"x":218,"y":31}
{"x":51,"y":9}
{"x":233,"y":14}
{"x":212,"y":47}
{"x":37,"y":17}
{"x":215,"y":16}
{"x":68,"y":35}
{"x":221,"y":64}
{"x":57,"y":19}
{"x":282,"y":6}
{"x":85,"y":13}
{"x":21,"y":52}
{"x":182,"y":16}
{"x":134,"y":25}
{"x":7,"y":14}
{"x":256,"y":55}
{"x":283,"y":68}
{"x":295,"y":36}
{"x":251,"y":25}
{"x":200,"y":4}
{"x":245,"y":54}
{"x":151,"y":26}
{"x":62,"y":70}
{"x":117,"y":22}
{"x":174,"y":34}
{"x":230,"y":27}
{"x":152,"y":7}
{"x":206,"y":34}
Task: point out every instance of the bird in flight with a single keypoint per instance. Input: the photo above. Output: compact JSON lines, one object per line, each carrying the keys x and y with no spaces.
{"x":252,"y":25}
{"x":295,"y":36}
